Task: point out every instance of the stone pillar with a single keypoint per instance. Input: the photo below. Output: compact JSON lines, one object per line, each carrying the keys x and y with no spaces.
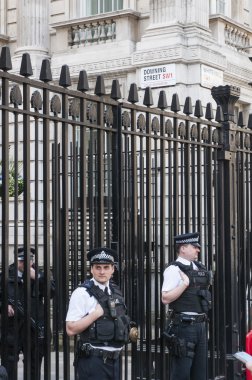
{"x":182,"y":11}
{"x":32,"y":27}
{"x":213,"y":7}
{"x":3,"y":17}
{"x":197,"y":11}
{"x":166,"y":11}
{"x":129,"y":4}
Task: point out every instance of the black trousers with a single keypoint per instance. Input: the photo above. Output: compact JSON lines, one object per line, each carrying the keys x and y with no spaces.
{"x":37,"y":354}
{"x":188,"y":368}
{"x":94,"y":368}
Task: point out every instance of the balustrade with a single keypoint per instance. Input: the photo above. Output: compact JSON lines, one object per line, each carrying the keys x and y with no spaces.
{"x":92,"y":33}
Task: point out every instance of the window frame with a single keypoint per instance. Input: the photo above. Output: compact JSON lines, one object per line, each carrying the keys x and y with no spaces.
{"x":86,"y":8}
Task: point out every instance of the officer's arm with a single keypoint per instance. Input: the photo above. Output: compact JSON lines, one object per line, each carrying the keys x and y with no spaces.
{"x":76,"y":327}
{"x":172,"y":295}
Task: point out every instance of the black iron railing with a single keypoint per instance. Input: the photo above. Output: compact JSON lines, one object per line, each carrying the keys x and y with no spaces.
{"x":98,"y":171}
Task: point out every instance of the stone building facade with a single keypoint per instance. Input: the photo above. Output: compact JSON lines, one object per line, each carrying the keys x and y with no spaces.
{"x":183,"y":46}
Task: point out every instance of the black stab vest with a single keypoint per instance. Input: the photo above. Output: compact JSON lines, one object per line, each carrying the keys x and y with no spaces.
{"x":112,"y":329}
{"x":196,"y":298}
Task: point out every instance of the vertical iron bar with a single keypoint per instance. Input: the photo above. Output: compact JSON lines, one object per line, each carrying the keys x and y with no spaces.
{"x":27,"y":232}
{"x":133,"y":228}
{"x":163,"y":181}
{"x":100,"y":177}
{"x":83,"y":188}
{"x":148,"y":245}
{"x":36,"y":216}
{"x":176,"y":180}
{"x":55,"y":247}
{"x":46,"y":232}
{"x":189,"y":171}
{"x":199,"y":185}
{"x":65,"y":232}
{"x":5,"y":217}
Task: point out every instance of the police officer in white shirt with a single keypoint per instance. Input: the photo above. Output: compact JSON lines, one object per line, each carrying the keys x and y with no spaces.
{"x":186,"y":290}
{"x":97,"y":314}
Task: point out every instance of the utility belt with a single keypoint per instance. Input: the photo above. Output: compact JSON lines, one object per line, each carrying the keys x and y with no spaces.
{"x":177,"y":345}
{"x":85,"y":350}
{"x":177,"y":318}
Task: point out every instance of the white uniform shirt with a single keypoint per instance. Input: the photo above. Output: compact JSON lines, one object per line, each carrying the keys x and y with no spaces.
{"x":81,"y":304}
{"x":172,"y":276}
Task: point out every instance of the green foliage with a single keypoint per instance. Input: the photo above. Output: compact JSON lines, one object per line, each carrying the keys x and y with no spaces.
{"x":20,"y":180}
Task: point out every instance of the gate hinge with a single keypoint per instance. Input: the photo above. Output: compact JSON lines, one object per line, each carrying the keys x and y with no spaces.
{"x":224,"y":155}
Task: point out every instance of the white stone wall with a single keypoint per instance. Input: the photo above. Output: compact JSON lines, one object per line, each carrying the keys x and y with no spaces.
{"x":188,"y":33}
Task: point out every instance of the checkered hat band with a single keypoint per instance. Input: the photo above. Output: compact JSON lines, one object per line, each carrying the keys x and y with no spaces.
{"x":192,"y":240}
{"x":102,"y":256}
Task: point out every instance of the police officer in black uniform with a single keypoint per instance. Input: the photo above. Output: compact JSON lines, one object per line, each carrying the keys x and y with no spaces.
{"x":186,"y":290}
{"x":97,"y":313}
{"x":16,"y":314}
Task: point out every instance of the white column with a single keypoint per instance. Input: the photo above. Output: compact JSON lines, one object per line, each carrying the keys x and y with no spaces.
{"x":33,"y":26}
{"x":197,"y":12}
{"x":3,"y":13}
{"x":129,"y":4}
{"x":213,"y":7}
{"x":166,"y":11}
{"x":229,"y":4}
{"x":182,"y":11}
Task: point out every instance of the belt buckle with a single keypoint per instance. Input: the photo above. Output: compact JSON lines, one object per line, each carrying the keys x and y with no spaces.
{"x":107,"y":355}
{"x":193,"y":320}
{"x":110,"y":355}
{"x":104,"y":357}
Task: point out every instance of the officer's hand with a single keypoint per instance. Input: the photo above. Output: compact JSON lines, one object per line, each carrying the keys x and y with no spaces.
{"x":32,"y":273}
{"x":185,"y":278}
{"x":103,"y":303}
{"x":10,"y":311}
{"x":99,"y":310}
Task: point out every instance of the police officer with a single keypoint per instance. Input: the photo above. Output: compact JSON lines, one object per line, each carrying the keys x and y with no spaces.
{"x":185,"y":290}
{"x":3,"y":373}
{"x":16,"y":339}
{"x":97,"y":314}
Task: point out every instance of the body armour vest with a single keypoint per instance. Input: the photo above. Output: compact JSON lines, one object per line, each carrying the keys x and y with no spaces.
{"x":112,"y":329}
{"x":196,"y":298}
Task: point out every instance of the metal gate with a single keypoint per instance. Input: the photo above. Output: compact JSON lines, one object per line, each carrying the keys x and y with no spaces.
{"x":99,"y":171}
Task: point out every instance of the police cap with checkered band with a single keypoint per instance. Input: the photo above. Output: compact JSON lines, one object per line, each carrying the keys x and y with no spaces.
{"x":189,"y":238}
{"x":21,"y":253}
{"x":102,"y":255}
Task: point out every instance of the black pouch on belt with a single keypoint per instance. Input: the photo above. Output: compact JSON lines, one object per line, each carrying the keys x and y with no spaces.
{"x":175,"y":345}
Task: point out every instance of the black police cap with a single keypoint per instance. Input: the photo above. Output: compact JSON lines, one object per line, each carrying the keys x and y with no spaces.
{"x":102,"y":255}
{"x":189,"y":238}
{"x":22,"y":253}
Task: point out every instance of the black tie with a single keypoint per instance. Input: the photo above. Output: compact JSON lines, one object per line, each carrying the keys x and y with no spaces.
{"x":106,"y":291}
{"x":191,"y":265}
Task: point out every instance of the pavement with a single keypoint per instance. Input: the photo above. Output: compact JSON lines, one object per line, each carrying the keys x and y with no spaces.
{"x":53,"y":369}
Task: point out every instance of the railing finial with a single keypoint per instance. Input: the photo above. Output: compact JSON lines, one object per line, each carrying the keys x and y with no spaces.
{"x":65,"y":80}
{"x":26,"y":67}
{"x":45,"y":72}
{"x":83,"y":81}
{"x":5,"y":59}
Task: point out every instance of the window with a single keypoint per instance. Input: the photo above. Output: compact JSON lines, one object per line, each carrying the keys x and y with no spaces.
{"x":93,"y":7}
{"x":221,"y":6}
